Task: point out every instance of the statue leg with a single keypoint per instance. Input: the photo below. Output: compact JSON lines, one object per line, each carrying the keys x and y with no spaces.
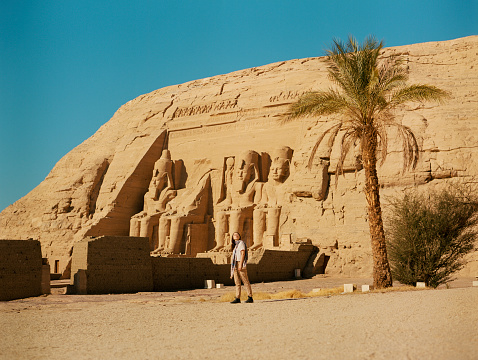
{"x":273,"y":219}
{"x":144,"y":231}
{"x":221,"y":229}
{"x":259,"y":227}
{"x":134,"y":227}
{"x":176,"y":234}
{"x":153,"y":230}
{"x":163,"y":232}
{"x":236,"y":224}
{"x":246,"y":225}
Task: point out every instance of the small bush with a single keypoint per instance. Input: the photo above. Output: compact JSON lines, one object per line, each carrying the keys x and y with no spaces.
{"x":429,"y":234}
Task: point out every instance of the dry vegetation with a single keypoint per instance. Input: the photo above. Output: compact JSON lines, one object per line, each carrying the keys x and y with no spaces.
{"x":296,"y":294}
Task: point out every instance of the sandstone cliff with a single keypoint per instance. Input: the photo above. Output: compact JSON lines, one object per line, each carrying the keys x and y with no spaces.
{"x":97,"y":187}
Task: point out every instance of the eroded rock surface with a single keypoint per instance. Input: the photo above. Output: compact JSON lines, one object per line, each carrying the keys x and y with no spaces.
{"x":100,"y":185}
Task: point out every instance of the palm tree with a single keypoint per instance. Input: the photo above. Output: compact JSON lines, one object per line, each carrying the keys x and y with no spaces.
{"x":369,"y":89}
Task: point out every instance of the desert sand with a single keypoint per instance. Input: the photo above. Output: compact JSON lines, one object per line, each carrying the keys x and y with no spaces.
{"x":195,"y":324}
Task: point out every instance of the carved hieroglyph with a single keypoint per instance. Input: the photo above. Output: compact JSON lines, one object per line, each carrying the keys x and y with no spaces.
{"x":98,"y":187}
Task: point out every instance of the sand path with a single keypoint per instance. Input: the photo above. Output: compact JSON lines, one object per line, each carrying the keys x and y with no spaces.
{"x":428,"y":324}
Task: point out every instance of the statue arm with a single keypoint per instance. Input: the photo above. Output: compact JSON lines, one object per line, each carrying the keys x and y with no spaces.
{"x":260,"y":195}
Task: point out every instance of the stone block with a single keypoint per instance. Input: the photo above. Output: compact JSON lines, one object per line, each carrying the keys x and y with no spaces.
{"x":45,"y":279}
{"x":198,"y":232}
{"x":297,"y":273}
{"x":366,"y":288}
{"x":268,"y":242}
{"x":219,"y":286}
{"x":349,"y":288}
{"x":316,"y":290}
{"x":421,"y":285}
{"x":209,"y":284}
{"x":286,"y":242}
{"x":114,"y":264}
{"x":475,"y":283}
{"x":80,"y":282}
{"x":20,"y":269}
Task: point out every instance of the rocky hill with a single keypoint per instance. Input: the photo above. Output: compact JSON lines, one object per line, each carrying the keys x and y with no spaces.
{"x":100,"y":185}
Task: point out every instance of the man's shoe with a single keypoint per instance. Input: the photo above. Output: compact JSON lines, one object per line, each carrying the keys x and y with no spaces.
{"x":249,"y":300}
{"x":236,"y":301}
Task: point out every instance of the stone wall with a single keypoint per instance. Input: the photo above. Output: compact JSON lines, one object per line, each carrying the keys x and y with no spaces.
{"x":175,"y":273}
{"x":20,"y":269}
{"x":113,"y":264}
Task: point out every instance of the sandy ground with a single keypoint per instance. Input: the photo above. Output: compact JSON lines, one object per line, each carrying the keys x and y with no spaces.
{"x":427,"y":324}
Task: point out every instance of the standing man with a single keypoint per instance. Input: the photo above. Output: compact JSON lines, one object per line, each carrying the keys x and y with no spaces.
{"x":238,"y":268}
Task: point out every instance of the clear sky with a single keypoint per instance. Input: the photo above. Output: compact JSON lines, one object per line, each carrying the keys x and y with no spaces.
{"x":67,"y":66}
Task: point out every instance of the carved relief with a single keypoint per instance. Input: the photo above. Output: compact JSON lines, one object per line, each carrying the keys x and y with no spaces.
{"x":206,"y":108}
{"x":286,"y":95}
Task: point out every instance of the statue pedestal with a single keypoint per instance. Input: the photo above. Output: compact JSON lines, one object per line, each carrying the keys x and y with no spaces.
{"x":268,"y":242}
{"x":217,"y":257}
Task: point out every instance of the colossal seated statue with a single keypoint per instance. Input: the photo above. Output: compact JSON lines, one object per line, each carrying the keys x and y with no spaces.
{"x":243,"y":191}
{"x":160,"y":192}
{"x":267,"y":214}
{"x":190,"y":207}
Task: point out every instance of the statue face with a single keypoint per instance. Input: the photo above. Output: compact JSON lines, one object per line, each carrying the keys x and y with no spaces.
{"x":243,"y":172}
{"x":279,"y":169}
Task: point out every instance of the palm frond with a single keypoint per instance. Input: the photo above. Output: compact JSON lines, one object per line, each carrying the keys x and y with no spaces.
{"x":418,"y":92}
{"x":318,"y":103}
{"x":333,"y":130}
{"x":409,"y":146}
{"x":383,"y":143}
{"x":349,"y":138}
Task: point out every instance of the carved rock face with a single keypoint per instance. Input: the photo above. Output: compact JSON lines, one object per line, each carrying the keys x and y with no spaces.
{"x":98,"y":186}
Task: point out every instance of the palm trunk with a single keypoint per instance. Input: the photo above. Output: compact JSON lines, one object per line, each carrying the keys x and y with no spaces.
{"x":382,"y":276}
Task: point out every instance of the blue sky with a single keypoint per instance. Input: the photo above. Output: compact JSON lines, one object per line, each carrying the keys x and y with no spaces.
{"x":67,"y":66}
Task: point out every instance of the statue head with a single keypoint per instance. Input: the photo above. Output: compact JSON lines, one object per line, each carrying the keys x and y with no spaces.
{"x":246,"y":169}
{"x":280,"y":166}
{"x":164,"y":163}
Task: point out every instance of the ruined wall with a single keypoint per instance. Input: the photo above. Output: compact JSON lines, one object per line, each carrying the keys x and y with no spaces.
{"x":113,"y":264}
{"x":171,"y":273}
{"x":175,"y":273}
{"x":98,"y":185}
{"x":20,"y":269}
